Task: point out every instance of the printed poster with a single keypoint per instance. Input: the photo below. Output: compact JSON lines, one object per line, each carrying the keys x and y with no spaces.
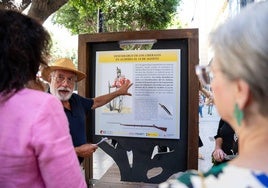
{"x":153,"y":110}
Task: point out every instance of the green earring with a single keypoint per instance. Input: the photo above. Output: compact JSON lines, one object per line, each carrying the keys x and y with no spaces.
{"x":239,"y":115}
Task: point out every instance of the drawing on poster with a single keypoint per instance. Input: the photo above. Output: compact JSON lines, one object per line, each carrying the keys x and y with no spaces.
{"x":117,"y":103}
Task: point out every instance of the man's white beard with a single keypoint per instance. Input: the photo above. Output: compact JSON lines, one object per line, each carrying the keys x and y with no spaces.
{"x":60,"y":95}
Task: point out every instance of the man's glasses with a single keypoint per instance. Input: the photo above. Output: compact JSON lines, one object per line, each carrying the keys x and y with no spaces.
{"x":204,"y":74}
{"x":61,"y":79}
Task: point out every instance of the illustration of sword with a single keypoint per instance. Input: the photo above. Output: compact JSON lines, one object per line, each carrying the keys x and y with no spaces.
{"x":165,"y":108}
{"x":135,"y":125}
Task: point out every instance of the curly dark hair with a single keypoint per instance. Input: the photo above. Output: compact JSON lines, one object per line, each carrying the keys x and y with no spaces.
{"x":24,"y":47}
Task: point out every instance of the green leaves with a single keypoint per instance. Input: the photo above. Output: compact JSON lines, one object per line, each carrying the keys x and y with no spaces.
{"x":81,"y":16}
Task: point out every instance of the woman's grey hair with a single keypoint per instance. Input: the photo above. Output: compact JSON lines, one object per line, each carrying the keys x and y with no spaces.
{"x":241,"y":49}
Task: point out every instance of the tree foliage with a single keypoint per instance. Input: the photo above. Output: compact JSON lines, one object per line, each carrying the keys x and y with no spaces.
{"x":81,"y":16}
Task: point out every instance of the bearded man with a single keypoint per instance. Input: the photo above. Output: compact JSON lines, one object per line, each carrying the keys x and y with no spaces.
{"x":62,"y":76}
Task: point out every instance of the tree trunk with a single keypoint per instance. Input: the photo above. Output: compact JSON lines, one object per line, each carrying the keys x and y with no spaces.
{"x":41,"y":9}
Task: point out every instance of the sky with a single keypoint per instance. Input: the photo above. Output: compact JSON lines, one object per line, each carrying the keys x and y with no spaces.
{"x":63,"y":37}
{"x":60,"y":35}
{"x":187,"y":10}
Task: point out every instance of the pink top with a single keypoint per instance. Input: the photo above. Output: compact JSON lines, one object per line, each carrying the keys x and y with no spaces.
{"x":35,"y":145}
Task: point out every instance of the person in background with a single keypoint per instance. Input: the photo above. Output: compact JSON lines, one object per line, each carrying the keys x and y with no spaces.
{"x":204,"y":94}
{"x":201,"y":104}
{"x":226,"y":141}
{"x":240,"y":91}
{"x":200,"y":144}
{"x":226,"y":144}
{"x":208,"y":94}
{"x":62,"y":76}
{"x":35,"y":145}
{"x":209,"y":102}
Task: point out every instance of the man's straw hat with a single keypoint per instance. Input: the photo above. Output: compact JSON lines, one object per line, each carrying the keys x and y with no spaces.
{"x":62,"y":64}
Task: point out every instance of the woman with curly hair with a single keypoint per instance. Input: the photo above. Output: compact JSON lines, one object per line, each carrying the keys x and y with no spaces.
{"x":35,"y":145}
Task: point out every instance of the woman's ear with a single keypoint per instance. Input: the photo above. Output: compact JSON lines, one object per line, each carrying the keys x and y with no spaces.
{"x":242,"y":95}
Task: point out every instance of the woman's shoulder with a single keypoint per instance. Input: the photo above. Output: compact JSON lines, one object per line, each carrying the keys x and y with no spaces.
{"x":189,"y":178}
{"x":30,"y":98}
{"x":35,"y":94}
{"x":223,"y":175}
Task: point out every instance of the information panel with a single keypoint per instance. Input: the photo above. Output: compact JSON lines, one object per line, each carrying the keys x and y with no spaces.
{"x":153,"y":110}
